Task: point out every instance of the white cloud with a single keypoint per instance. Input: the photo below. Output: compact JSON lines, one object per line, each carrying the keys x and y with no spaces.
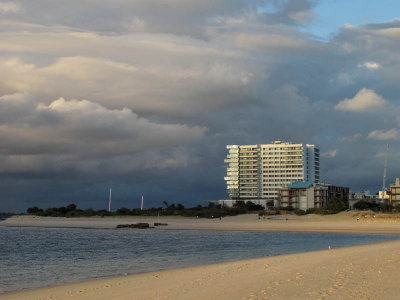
{"x":390,"y":32}
{"x":349,"y":26}
{"x":382,"y":135}
{"x":84,"y":129}
{"x":9,"y":7}
{"x":271,"y":41}
{"x":302,"y":17}
{"x":331,"y":153}
{"x":370,"y":65}
{"x":364,"y":100}
{"x":356,"y":136}
{"x":345,"y":78}
{"x":165,"y":86}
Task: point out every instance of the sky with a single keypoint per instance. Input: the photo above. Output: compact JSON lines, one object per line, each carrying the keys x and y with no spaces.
{"x":143,"y":96}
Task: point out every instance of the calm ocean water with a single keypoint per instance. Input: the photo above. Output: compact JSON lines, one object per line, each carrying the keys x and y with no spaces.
{"x":39,"y":257}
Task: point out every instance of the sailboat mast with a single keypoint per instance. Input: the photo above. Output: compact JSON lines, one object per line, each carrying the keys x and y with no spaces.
{"x":109,"y":202}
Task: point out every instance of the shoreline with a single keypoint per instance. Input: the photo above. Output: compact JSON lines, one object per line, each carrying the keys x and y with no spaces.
{"x":369,"y":271}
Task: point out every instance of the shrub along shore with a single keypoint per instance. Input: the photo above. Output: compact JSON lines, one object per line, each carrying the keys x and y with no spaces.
{"x":333,"y":206}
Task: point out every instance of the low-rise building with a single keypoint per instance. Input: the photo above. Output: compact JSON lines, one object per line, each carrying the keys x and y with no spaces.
{"x":340,"y":192}
{"x":308,"y":194}
{"x":386,"y":197}
{"x":362,"y":196}
{"x":394,"y":195}
{"x":303,"y":195}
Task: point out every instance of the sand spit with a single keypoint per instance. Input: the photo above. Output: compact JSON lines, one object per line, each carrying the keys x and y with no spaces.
{"x":344,"y":222}
{"x":360,"y":272}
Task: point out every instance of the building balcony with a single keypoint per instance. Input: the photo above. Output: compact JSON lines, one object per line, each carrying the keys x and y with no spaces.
{"x":231,"y":160}
{"x":248,"y":187}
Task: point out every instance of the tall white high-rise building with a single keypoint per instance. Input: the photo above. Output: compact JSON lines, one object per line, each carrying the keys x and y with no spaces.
{"x":258,"y":171}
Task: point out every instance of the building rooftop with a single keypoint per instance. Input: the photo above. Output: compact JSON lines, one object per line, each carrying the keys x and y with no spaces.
{"x":301,"y":184}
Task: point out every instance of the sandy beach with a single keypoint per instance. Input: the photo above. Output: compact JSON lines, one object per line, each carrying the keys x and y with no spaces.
{"x":359,"y":272}
{"x":344,"y":222}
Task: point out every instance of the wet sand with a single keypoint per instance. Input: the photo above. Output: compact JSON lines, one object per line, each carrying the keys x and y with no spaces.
{"x":360,"y":272}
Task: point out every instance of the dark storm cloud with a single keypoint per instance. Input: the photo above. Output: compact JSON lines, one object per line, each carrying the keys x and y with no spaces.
{"x":145,"y":95}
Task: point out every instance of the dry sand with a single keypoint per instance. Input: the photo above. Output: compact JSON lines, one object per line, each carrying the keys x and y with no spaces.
{"x":360,"y":272}
{"x":344,"y":222}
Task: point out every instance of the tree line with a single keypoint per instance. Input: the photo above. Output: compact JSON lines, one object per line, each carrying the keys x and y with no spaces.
{"x":210,"y":211}
{"x":374,"y":206}
{"x":334,"y":205}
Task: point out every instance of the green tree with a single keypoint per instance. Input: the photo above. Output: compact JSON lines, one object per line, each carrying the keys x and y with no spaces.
{"x":363,"y":205}
{"x":336,"y":205}
{"x":71,"y":207}
{"x":34,"y":210}
{"x":383,"y":207}
{"x":123,"y":211}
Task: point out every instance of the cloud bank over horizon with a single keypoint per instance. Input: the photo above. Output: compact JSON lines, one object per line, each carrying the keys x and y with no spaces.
{"x":144,"y":96}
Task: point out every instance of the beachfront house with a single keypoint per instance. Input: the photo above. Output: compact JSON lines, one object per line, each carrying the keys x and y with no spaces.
{"x":307,"y":194}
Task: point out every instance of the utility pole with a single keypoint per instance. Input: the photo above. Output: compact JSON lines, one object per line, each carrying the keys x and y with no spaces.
{"x":384,"y":175}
